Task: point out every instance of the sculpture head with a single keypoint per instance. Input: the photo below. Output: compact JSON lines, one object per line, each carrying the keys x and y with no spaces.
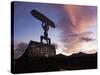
{"x":42,"y":18}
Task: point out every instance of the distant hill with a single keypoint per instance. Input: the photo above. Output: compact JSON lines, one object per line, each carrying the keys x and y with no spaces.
{"x":77,"y":54}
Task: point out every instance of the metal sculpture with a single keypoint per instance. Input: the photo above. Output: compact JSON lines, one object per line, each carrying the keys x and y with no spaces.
{"x":45,"y":25}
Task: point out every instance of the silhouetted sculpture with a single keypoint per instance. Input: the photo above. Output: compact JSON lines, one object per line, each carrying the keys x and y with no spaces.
{"x":37,"y":49}
{"x":45,"y":25}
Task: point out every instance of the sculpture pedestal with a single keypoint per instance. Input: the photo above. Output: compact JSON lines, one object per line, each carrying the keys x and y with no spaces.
{"x":36,"y":49}
{"x":38,"y":57}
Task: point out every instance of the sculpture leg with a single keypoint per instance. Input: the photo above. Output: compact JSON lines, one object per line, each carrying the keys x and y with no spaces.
{"x":45,"y":38}
{"x":49,"y":41}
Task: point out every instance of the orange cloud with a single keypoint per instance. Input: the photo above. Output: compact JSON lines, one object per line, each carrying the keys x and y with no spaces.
{"x":80,"y":16}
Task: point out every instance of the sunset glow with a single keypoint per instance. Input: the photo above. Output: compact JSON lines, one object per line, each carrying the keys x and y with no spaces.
{"x":76,"y":26}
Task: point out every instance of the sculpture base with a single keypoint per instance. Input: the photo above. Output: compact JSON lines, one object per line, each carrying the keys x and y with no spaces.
{"x":36,"y":49}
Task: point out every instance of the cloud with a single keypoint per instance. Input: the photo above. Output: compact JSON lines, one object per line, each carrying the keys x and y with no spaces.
{"x":87,"y":39}
{"x":74,"y":26}
{"x":20,"y":49}
{"x":81,"y":16}
{"x":73,"y":42}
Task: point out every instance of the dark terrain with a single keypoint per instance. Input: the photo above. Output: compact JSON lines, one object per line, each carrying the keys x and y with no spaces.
{"x":56,"y":63}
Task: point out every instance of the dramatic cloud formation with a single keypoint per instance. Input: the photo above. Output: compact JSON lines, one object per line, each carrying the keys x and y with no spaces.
{"x":81,"y":17}
{"x":73,"y":43}
{"x":75,"y":26}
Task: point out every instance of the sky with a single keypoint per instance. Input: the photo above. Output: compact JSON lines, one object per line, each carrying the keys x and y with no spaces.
{"x":75,"y":31}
